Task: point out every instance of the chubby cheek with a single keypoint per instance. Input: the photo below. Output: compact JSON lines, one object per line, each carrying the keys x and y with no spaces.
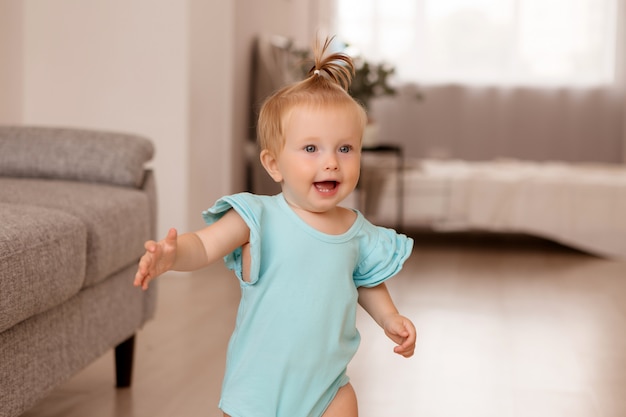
{"x":299,"y":170}
{"x":352,"y":170}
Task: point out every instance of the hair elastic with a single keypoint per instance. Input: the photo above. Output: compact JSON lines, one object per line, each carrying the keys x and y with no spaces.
{"x":316,"y":72}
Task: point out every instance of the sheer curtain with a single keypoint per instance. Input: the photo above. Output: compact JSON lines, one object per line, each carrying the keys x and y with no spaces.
{"x":532,"y":79}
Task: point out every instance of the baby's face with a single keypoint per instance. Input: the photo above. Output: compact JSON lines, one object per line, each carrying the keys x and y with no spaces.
{"x":320,"y":162}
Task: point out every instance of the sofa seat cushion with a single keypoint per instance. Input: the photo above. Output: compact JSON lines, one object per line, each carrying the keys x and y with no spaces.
{"x":42,"y":260}
{"x":115,"y":217}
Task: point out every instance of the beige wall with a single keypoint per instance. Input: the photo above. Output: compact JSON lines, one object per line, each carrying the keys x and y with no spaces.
{"x":114,"y":65}
{"x":296,"y":19}
{"x":224,"y":50}
{"x":146,"y":67}
{"x":175,"y":71}
{"x":211,"y":118}
{"x":621,"y":53}
{"x":11,"y":82}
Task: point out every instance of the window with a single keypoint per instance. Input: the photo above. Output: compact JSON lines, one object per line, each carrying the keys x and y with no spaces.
{"x":519,"y":42}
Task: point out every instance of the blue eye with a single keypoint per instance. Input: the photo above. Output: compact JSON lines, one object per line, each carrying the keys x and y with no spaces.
{"x":310,"y":148}
{"x":345,"y":148}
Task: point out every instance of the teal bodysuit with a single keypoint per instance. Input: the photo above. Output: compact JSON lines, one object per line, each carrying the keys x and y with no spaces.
{"x":296,"y":326}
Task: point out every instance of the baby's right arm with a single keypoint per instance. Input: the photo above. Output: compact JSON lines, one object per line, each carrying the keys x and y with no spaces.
{"x":191,"y":251}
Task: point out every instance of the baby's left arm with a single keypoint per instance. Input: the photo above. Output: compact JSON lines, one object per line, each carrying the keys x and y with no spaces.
{"x":378,"y":303}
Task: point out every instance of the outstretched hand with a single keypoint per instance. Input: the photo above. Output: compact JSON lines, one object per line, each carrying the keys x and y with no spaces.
{"x":402,"y":332}
{"x":159,"y":258}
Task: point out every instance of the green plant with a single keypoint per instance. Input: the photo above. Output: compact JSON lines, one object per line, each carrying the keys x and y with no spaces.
{"x":371,"y":81}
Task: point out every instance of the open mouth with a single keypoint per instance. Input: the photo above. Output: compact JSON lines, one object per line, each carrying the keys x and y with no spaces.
{"x":326,"y":186}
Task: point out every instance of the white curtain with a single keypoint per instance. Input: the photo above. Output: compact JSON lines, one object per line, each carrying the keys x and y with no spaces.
{"x":501,"y":78}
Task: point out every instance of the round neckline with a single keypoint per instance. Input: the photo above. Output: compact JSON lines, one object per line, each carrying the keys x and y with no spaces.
{"x":347,"y":235}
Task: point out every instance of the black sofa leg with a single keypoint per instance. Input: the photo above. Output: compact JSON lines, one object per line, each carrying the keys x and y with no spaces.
{"x":124,"y":353}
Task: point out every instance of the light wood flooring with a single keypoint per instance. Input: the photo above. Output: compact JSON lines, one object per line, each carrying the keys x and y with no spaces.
{"x":507,"y":327}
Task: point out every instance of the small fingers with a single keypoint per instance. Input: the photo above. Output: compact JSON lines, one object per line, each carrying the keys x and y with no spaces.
{"x":403,"y":333}
{"x":141,"y":279}
{"x":406,"y":349}
{"x":150,"y":246}
{"x":143,"y":274}
{"x":172,"y":235}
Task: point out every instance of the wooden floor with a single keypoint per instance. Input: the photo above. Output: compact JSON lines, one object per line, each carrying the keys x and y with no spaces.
{"x":506,"y":328}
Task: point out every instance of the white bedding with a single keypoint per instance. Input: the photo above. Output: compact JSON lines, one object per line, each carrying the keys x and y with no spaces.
{"x":580,"y":205}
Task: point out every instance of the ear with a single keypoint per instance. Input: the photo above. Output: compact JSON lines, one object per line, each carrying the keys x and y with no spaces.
{"x":270,"y":163}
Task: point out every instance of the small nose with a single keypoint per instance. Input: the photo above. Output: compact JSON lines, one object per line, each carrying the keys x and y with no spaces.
{"x":331,"y":163}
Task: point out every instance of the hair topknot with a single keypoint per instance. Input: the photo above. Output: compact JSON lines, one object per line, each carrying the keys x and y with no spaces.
{"x":337,"y":66}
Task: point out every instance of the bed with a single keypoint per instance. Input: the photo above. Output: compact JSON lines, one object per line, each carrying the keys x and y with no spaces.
{"x":582,"y":205}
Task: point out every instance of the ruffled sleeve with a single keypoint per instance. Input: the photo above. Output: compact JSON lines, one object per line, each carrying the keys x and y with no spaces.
{"x":383,"y":253}
{"x":250,"y":209}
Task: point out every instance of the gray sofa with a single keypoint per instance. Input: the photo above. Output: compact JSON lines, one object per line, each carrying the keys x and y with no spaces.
{"x":76,"y":207}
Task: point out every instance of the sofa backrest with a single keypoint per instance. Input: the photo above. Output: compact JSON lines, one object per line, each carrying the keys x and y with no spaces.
{"x":74,"y":154}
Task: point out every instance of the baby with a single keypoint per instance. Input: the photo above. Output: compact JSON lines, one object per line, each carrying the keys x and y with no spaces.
{"x":303,"y":262}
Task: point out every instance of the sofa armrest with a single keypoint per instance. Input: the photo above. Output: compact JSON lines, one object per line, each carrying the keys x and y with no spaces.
{"x":74,"y":154}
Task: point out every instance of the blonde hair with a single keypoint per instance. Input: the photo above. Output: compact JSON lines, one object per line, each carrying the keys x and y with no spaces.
{"x":326,"y":84}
